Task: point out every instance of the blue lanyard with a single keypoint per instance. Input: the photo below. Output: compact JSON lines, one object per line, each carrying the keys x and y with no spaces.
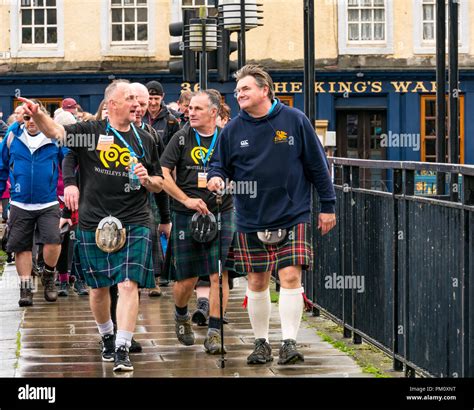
{"x":132,"y":152}
{"x":275,"y":102}
{"x":142,"y":126}
{"x":209,"y":153}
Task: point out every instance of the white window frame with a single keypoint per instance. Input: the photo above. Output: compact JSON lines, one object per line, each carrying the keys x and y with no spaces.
{"x":364,"y":47}
{"x":19,"y":50}
{"x":145,"y":49}
{"x":421,"y":46}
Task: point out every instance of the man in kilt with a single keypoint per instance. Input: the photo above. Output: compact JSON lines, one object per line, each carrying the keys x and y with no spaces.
{"x":275,"y":148}
{"x":188,"y":153}
{"x":114,"y":237}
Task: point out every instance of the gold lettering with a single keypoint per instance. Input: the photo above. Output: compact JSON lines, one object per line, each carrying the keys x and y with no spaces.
{"x":377,"y":86}
{"x":433,"y":86}
{"x":319,"y":87}
{"x":296,"y":87}
{"x":360,"y":87}
{"x":401,"y":86}
{"x":281,"y":87}
{"x":345,"y":87}
{"x":419,"y":87}
{"x":196,"y":87}
{"x":331,"y":87}
{"x":185,"y":87}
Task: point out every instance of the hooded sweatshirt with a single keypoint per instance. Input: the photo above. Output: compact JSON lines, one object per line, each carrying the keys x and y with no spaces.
{"x":273,"y":161}
{"x":165,"y":124}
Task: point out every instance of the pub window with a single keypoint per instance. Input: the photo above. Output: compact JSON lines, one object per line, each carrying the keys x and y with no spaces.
{"x":51,"y":104}
{"x":198,"y":3}
{"x":38,"y":23}
{"x":366,"y":20}
{"x":129,"y":21}
{"x":286,"y":99}
{"x":428,"y":129}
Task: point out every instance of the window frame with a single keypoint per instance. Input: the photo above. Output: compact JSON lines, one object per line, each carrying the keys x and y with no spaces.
{"x":421,"y":46}
{"x":19,"y":50}
{"x":288,"y":99}
{"x":432,"y":97}
{"x":131,"y":49}
{"x":346,"y":46}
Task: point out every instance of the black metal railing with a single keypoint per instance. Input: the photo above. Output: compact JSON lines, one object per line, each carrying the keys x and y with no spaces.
{"x":398,"y":269}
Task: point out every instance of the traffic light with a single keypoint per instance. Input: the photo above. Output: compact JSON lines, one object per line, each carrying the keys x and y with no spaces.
{"x":187,"y":65}
{"x":223,"y":52}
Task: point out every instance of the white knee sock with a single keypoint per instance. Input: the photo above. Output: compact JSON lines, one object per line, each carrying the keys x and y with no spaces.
{"x":290,"y":307}
{"x":259,"y":307}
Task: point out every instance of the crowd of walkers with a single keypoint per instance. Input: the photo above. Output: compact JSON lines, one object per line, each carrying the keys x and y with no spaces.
{"x":143,"y":194}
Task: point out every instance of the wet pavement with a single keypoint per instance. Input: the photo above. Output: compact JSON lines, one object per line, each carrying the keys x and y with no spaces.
{"x":61,"y":340}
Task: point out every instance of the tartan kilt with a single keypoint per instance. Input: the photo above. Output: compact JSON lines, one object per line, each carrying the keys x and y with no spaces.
{"x":133,"y":262}
{"x":251,"y":255}
{"x":190,"y":259}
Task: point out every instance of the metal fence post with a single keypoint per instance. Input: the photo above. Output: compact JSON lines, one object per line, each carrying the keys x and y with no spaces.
{"x":345,"y":238}
{"x":397,"y":190}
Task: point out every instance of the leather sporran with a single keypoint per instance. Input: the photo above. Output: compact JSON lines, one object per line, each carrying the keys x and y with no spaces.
{"x":203,"y":227}
{"x":110,"y":235}
{"x":268,"y":237}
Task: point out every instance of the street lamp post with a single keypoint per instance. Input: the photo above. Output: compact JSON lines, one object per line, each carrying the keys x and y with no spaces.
{"x":309,"y":66}
{"x":202,"y":39}
{"x":240,"y":16}
{"x":440,"y":93}
{"x":453,"y":95}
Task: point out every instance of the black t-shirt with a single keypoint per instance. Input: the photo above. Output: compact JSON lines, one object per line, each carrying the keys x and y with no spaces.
{"x":183,"y":153}
{"x":104,"y":187}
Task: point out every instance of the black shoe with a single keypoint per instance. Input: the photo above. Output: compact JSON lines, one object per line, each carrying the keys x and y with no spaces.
{"x":50,"y":290}
{"x":261,"y":354}
{"x":163,"y":282}
{"x":26,"y":295}
{"x":202,"y":312}
{"x":184,"y":331}
{"x":63,"y":289}
{"x":108,"y":348}
{"x":135,"y":347}
{"x":122,"y":361}
{"x":10,"y":258}
{"x":289,"y":354}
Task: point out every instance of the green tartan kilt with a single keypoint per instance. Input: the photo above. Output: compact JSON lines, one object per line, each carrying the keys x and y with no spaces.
{"x":190,"y":259}
{"x":133,"y":262}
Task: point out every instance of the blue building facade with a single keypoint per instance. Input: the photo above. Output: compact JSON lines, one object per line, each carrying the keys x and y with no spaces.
{"x":376,"y":114}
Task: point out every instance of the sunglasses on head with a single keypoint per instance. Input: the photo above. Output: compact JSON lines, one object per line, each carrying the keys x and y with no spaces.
{"x":26,"y":117}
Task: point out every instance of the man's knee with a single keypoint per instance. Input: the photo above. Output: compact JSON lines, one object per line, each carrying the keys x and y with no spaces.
{"x":258,"y":282}
{"x":128,"y":286}
{"x":215,"y":278}
{"x":290,"y":276}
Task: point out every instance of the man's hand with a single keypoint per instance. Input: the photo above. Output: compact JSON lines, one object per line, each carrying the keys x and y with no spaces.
{"x":196,"y":204}
{"x":166,"y":229}
{"x":29,"y":107}
{"x":64,"y":221}
{"x":71,"y":197}
{"x":216,"y":184}
{"x":326,"y":222}
{"x":142,"y":173}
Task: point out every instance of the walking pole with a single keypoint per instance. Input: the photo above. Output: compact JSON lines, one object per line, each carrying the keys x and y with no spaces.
{"x":221,"y":296}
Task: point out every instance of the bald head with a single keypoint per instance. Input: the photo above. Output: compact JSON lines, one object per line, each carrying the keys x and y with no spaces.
{"x":143,"y":98}
{"x":121,"y":103}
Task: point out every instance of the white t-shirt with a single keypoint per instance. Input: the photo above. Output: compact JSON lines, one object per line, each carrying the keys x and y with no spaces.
{"x":34,"y":141}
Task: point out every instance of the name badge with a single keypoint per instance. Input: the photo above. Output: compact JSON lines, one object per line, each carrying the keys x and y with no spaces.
{"x":105,"y":142}
{"x":202,"y":179}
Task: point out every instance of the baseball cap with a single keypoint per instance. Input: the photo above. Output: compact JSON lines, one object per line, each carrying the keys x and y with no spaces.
{"x":154,"y":88}
{"x":69,"y":104}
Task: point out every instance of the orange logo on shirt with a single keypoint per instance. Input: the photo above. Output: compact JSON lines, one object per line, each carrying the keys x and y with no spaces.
{"x":280,"y":136}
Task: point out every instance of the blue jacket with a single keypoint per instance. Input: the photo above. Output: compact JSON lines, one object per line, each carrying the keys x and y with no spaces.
{"x":282,"y":157}
{"x":33,"y":177}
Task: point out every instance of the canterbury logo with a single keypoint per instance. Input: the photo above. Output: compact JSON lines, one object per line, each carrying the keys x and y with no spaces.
{"x":198,"y":154}
{"x":115,"y":155}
